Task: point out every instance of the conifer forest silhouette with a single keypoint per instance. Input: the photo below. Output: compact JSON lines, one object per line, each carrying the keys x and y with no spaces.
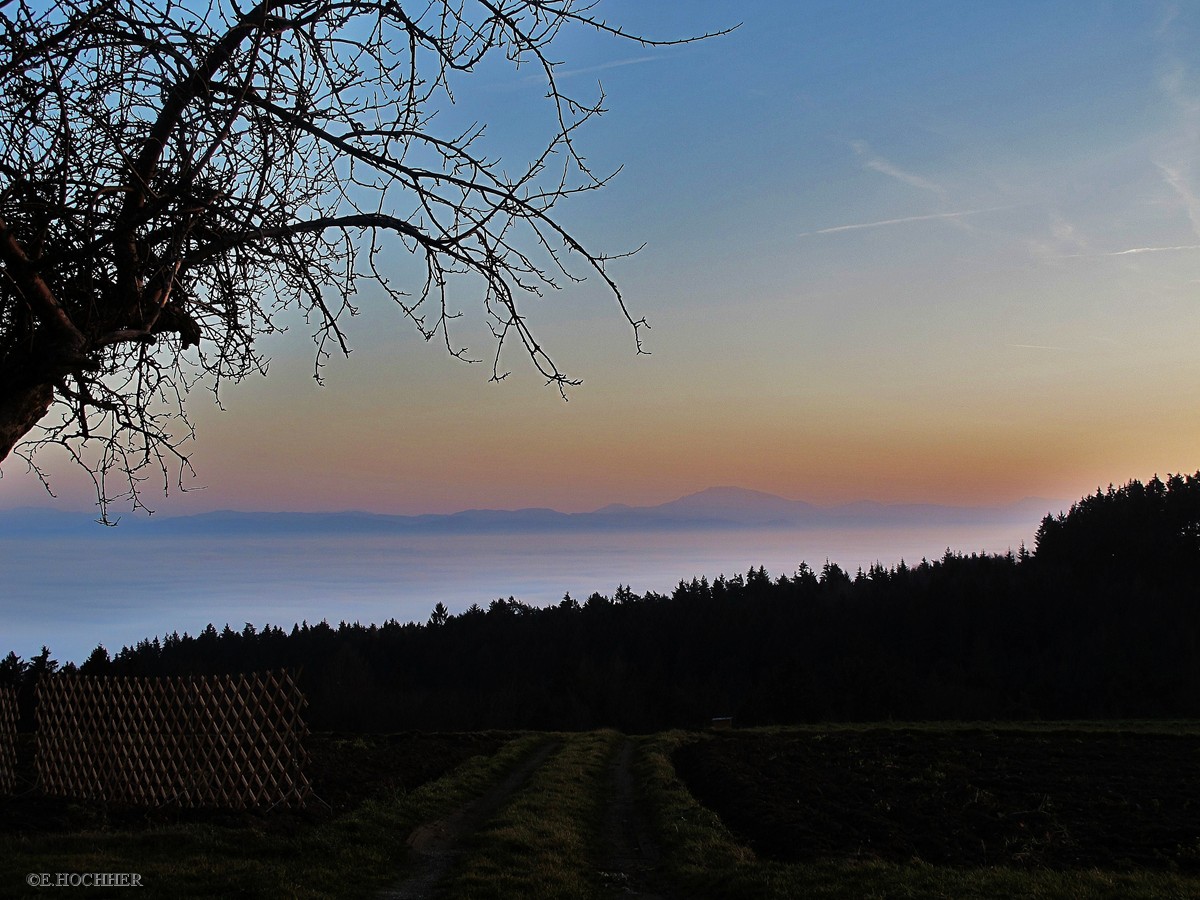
{"x":1100,"y":620}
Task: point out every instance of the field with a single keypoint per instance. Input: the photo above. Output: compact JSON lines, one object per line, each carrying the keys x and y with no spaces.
{"x":977,"y":797}
{"x":882,"y":811}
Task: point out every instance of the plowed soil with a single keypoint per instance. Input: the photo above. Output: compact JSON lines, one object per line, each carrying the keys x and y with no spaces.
{"x":1061,"y":799}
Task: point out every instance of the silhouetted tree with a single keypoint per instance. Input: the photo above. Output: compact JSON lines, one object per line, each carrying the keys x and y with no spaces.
{"x":97,"y":663}
{"x":1150,"y":529}
{"x":12,"y":670}
{"x":174,"y":175}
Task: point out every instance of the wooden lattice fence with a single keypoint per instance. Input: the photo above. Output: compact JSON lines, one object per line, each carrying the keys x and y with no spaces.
{"x":228,"y":741}
{"x":8,"y":739}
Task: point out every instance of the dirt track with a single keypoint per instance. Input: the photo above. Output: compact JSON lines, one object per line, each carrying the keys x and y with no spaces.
{"x":436,"y":844}
{"x":631,"y":854}
{"x":627,"y":854}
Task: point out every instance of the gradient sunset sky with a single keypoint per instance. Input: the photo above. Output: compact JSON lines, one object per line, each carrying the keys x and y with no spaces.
{"x":936,"y":252}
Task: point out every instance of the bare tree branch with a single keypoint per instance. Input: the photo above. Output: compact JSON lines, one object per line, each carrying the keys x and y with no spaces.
{"x":174,"y":174}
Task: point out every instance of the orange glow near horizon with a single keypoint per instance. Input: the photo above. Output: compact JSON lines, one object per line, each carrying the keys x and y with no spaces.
{"x":865,"y":283}
{"x":575,"y":457}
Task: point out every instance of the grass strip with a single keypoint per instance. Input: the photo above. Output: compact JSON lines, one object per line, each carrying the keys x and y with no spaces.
{"x":545,"y":843}
{"x":702,"y":858}
{"x":351,"y":855}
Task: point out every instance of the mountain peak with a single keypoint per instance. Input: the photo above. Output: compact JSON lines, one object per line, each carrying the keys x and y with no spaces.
{"x":732,"y":505}
{"x":731,"y":491}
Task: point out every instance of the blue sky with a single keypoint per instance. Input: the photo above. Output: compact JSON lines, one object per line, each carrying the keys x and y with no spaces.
{"x":943,"y":252}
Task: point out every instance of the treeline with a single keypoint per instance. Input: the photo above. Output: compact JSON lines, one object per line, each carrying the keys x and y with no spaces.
{"x":1101,"y":620}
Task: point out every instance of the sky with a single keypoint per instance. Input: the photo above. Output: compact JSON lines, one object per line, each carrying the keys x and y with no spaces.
{"x":907,"y":252}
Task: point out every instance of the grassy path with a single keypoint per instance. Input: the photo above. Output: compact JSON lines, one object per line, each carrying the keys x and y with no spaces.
{"x":436,"y":844}
{"x":547,"y":842}
{"x":569,"y":822}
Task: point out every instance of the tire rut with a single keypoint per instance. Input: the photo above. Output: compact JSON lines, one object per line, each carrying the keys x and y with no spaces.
{"x":632,"y":855}
{"x":436,"y":844}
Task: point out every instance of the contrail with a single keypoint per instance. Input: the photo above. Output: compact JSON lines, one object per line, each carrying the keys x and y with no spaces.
{"x":587,"y":70}
{"x":883,"y":222}
{"x":1129,"y":252}
{"x":1153,"y":250}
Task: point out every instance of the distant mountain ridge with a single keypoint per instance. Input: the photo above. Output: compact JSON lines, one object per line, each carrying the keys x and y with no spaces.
{"x":713,"y":508}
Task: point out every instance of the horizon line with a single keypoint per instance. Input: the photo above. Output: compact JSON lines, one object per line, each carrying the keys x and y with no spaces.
{"x":521,"y":509}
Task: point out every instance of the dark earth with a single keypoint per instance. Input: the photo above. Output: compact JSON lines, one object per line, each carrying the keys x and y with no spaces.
{"x":1059,"y":799}
{"x":1056,"y":799}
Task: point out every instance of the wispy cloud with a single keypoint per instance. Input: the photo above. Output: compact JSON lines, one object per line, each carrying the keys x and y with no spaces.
{"x":882,"y":223}
{"x":1170,"y":13}
{"x":1064,"y":236}
{"x":1180,"y":181}
{"x":1066,"y":233}
{"x":1178,"y":169}
{"x":877,"y":163}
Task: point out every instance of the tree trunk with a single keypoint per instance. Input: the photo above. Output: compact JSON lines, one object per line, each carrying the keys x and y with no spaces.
{"x":21,"y":407}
